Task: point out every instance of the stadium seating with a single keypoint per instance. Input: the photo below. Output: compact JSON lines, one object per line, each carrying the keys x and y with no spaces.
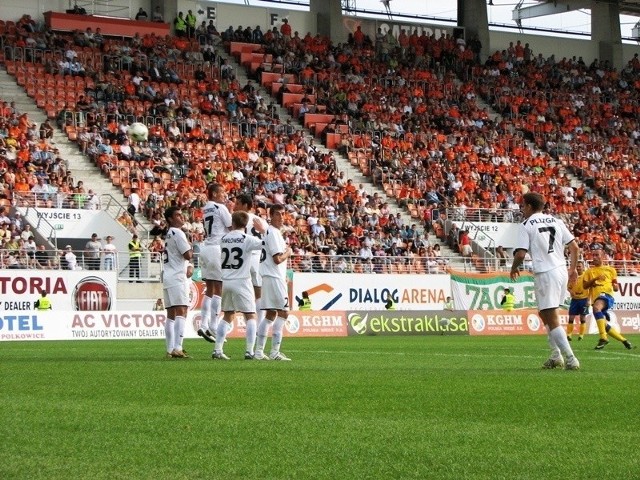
{"x":415,"y":128}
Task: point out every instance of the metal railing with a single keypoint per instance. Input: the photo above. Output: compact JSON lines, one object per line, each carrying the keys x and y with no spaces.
{"x":148,"y":270}
{"x":495,"y":215}
{"x":374,"y":265}
{"x":150,"y":264}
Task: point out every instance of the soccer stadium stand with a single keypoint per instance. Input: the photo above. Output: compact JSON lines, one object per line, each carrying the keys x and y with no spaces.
{"x":420,"y":134}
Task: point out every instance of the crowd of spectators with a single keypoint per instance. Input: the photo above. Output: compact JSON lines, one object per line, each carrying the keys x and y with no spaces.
{"x":586,"y":118}
{"x":419,"y":129}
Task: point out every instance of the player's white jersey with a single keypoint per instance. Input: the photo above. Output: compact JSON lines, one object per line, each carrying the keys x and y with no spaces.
{"x":273,"y":244}
{"x":175,"y":266}
{"x":235,"y":249}
{"x":250,"y":230}
{"x":217,"y":221}
{"x":545,"y":238}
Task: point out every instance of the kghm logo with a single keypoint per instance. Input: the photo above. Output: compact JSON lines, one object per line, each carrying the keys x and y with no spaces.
{"x":533,"y":322}
{"x":358,"y":324}
{"x":292,"y":324}
{"x":478,"y":322}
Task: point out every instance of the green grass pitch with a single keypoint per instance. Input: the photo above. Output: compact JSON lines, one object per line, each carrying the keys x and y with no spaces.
{"x":344,"y":408}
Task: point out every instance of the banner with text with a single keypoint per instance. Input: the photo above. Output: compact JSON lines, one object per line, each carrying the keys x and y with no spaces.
{"x":484,"y":291}
{"x":370,"y":27}
{"x":499,"y":322}
{"x":351,"y":291}
{"x":422,"y":322}
{"x":524,"y":322}
{"x":80,"y":290}
{"x":491,"y":234}
{"x":130,"y":325}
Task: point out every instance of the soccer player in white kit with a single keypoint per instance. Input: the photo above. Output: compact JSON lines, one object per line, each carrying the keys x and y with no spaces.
{"x":217,"y":221}
{"x":545,"y":238}
{"x":176,"y":257}
{"x":244,"y":203}
{"x":237,"y":249}
{"x":275,"y":297}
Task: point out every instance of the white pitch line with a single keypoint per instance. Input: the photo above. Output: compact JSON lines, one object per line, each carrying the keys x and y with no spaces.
{"x":591,"y":356}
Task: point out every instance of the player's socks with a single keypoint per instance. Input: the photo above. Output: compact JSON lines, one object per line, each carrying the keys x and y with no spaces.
{"x":252,"y":327}
{"x":168,"y":334}
{"x":178,"y":333}
{"x":602,"y":325}
{"x":560,"y":339}
{"x":263,"y":331}
{"x":205,"y":312}
{"x":569,"y":329}
{"x":555,"y":351}
{"x":276,"y":335}
{"x":214,"y":316}
{"x":583,"y":328}
{"x":615,"y":334}
{"x":221,"y":334}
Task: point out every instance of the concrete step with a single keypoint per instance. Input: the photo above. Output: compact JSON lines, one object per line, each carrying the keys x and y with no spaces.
{"x":354,"y":173}
{"x":81,"y":167}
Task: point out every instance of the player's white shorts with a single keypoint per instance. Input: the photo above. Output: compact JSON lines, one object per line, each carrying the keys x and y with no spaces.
{"x":176,"y":296}
{"x":211,"y":262}
{"x":274,"y":294}
{"x":238,"y":296}
{"x":256,"y":278}
{"x":551,"y":288}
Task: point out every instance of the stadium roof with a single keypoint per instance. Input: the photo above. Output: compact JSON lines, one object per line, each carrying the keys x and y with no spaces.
{"x":545,"y":7}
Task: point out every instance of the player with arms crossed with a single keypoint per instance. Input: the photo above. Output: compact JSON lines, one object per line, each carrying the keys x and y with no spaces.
{"x":601,"y":281}
{"x":275,"y":298}
{"x":175,"y":277}
{"x":244,"y":203}
{"x":579,"y":306}
{"x":237,"y":292}
{"x":544,"y":237}
{"x":217,"y":221}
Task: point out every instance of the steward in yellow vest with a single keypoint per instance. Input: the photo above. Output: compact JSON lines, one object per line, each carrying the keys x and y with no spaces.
{"x":508,"y":301}
{"x":43,"y":303}
{"x":305,"y":302}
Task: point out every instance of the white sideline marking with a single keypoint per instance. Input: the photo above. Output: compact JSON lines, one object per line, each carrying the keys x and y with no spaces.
{"x":591,"y":355}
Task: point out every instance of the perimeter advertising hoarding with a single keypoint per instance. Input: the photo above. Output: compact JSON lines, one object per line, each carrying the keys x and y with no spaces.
{"x":419,"y":322}
{"x":130,"y":325}
{"x":499,"y":322}
{"x":79,"y":290}
{"x":483,"y":291}
{"x":528,"y":322}
{"x":352,"y":291}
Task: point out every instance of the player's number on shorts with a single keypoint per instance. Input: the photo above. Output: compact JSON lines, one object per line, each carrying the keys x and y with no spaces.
{"x":552,"y":236}
{"x":232,"y":258}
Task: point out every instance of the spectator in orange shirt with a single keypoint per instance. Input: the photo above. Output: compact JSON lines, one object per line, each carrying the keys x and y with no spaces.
{"x":285,"y":29}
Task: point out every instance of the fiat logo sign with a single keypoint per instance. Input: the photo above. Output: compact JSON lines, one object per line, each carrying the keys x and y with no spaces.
{"x":92,"y":294}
